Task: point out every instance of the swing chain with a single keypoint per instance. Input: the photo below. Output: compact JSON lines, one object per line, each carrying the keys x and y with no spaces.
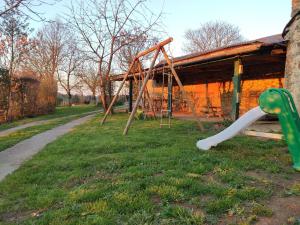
{"x":162,"y":110}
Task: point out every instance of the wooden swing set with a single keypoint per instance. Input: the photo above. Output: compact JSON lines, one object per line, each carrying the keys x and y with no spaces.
{"x":143,"y":89}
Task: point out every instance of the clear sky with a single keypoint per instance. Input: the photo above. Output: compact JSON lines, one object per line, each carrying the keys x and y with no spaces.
{"x":256,"y":18}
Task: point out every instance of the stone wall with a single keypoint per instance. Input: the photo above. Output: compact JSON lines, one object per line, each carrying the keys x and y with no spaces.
{"x":292,"y":69}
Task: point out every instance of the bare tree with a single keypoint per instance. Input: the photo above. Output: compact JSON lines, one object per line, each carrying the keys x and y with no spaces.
{"x":69,"y":70}
{"x":43,"y":58}
{"x":27,"y":8}
{"x":90,"y":78}
{"x":9,"y":7}
{"x":128,"y":52}
{"x":47,"y":49}
{"x":107,"y":26}
{"x":211,"y":35}
{"x":13,"y":44}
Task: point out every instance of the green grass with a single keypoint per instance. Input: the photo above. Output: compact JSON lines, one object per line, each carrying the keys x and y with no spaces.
{"x":59,"y":112}
{"x":95,"y":175}
{"x":61,"y":116}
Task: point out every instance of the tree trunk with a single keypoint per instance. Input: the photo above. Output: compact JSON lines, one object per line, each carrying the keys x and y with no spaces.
{"x":70,"y":99}
{"x":10,"y":74}
{"x":103,"y":97}
{"x":110,"y":94}
{"x":94,"y":97}
{"x":102,"y":88}
{"x":107,"y":76}
{"x":292,"y":67}
{"x":295,"y":6}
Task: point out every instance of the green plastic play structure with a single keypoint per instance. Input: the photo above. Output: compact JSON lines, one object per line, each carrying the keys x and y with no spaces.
{"x":280,"y":102}
{"x":276,"y":101}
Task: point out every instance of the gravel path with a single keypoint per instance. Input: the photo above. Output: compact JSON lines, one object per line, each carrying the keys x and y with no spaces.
{"x":12,"y":158}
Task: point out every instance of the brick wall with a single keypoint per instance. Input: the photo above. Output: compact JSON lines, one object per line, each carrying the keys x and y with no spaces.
{"x":215,"y":99}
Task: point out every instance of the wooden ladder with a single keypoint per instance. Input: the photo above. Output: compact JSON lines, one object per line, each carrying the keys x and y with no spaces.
{"x":162,"y":112}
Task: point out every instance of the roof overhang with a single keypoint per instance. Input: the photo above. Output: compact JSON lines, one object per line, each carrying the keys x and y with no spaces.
{"x":223,"y":56}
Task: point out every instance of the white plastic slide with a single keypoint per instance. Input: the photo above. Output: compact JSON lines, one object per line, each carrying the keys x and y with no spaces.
{"x":242,"y":123}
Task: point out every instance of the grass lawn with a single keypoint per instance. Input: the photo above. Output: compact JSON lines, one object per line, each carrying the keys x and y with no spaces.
{"x":14,"y":138}
{"x":94,"y":175}
{"x":59,"y":112}
{"x":61,"y":116}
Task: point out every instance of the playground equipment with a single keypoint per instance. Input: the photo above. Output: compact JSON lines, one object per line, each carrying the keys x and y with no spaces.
{"x":273,"y":101}
{"x":157,"y":49}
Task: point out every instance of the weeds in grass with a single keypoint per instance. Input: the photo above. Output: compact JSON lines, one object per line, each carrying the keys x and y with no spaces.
{"x":294,"y":190}
{"x":261,"y":210}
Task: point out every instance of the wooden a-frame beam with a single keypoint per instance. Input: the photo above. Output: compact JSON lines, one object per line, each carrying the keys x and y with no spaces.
{"x":143,"y":53}
{"x":118,"y":92}
{"x":131,"y":117}
{"x":159,"y":47}
{"x":174,"y":73}
{"x":146,"y":90}
{"x":152,"y":49}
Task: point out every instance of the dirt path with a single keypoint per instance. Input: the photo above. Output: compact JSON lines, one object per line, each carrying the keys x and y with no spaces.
{"x":12,"y":158}
{"x":40,"y":122}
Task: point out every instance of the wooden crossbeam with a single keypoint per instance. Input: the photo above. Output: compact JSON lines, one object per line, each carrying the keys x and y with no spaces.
{"x":152,"y":49}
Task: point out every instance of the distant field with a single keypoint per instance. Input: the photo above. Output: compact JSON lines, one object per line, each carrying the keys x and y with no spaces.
{"x":95,"y":175}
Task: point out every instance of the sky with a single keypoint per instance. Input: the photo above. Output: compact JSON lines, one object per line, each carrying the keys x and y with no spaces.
{"x":255,"y":18}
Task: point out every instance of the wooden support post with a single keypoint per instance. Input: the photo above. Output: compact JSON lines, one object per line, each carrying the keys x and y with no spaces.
{"x":130,"y":95}
{"x":146,"y":91}
{"x":190,"y":104}
{"x":238,"y":71}
{"x":141,"y":93}
{"x":170,"y":90}
{"x":118,"y":92}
